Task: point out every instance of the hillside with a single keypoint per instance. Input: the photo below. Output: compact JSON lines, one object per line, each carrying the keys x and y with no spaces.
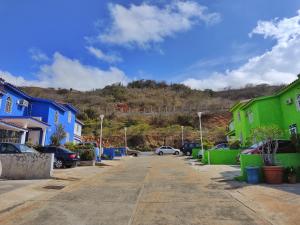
{"x":153,"y":111}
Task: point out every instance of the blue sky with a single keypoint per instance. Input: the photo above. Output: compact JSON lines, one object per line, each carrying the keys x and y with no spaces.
{"x":203,"y":44}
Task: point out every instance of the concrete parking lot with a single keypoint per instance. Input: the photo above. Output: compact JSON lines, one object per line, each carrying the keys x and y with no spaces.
{"x":144,"y":190}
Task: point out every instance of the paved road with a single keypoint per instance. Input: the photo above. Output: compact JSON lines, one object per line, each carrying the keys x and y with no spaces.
{"x":148,"y":190}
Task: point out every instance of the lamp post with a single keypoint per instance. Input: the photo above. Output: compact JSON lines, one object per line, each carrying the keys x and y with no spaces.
{"x":200,"y":128}
{"x":101,"y":123}
{"x":125,"y":136}
{"x":182,"y":135}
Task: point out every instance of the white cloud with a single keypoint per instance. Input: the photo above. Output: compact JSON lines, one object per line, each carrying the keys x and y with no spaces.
{"x":146,"y":24}
{"x":98,"y":53}
{"x":282,"y":30}
{"x":64,"y":72}
{"x":279,"y":65}
{"x":38,"y":55}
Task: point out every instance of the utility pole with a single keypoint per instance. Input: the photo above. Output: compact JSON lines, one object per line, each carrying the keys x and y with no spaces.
{"x":200,"y":129}
{"x":101,"y":126}
{"x":182,"y":141}
{"x":125,"y":137}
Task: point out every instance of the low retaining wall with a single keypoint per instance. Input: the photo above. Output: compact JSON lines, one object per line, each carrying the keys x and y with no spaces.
{"x":285,"y":160}
{"x":26,"y":166}
{"x":221,"y":157}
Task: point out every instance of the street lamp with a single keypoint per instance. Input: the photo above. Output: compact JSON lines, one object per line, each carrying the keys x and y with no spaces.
{"x":200,"y":127}
{"x":125,"y":136}
{"x":101,"y":123}
{"x":182,"y":135}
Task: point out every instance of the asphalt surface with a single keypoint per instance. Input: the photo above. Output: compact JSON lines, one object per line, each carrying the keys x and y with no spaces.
{"x":149,"y":190}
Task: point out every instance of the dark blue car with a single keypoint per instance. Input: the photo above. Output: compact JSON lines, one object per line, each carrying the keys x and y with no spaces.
{"x":62,"y":156}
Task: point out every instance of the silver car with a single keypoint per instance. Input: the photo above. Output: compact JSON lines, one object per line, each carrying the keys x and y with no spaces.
{"x":167,"y":150}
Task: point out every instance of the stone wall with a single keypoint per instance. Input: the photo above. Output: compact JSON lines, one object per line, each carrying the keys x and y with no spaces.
{"x":26,"y":166}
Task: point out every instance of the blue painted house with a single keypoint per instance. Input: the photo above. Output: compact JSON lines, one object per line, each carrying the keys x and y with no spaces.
{"x":24,"y":118}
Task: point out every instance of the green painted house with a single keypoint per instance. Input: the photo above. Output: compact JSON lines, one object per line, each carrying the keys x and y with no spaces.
{"x":281,"y":109}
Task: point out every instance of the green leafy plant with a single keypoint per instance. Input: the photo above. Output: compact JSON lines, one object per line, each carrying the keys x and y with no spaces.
{"x":58,"y":135}
{"x":268,"y":137}
{"x":87,"y":155}
{"x":234,"y":144}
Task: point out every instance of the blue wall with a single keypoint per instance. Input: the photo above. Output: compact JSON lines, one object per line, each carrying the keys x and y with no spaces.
{"x":17,"y":110}
{"x":62,"y":119}
{"x":39,"y":108}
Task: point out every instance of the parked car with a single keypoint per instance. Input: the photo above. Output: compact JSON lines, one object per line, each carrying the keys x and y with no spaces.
{"x":62,"y":156}
{"x":13,"y":148}
{"x":167,"y":150}
{"x":188,"y":147}
{"x":132,"y":152}
{"x":284,"y":146}
{"x":223,"y":146}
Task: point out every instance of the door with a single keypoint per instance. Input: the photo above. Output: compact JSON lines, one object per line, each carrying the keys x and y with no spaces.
{"x":163,"y":149}
{"x":170,"y":150}
{"x":34,"y":137}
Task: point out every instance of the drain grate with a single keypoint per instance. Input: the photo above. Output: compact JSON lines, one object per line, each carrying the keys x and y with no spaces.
{"x":54,"y":187}
{"x":232,"y":188}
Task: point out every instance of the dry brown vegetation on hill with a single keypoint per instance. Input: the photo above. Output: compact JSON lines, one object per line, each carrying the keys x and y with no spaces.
{"x":153,"y":111}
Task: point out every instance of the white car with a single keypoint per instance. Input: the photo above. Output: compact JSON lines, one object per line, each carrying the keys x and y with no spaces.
{"x":167,"y":150}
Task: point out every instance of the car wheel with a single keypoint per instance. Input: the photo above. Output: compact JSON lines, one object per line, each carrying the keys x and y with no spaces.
{"x":58,"y":164}
{"x":188,"y":153}
{"x":176,"y":153}
{"x":135,"y":155}
{"x":160,"y":153}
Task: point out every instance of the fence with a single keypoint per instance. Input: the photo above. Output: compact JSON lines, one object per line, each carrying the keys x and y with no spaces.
{"x":221,"y":157}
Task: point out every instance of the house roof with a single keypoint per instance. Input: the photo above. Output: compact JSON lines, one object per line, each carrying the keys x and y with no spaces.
{"x":21,"y":120}
{"x":11,"y":126}
{"x":62,"y":106}
{"x":230,"y":133}
{"x":278,"y":93}
{"x":79,"y":121}
{"x":239,"y":104}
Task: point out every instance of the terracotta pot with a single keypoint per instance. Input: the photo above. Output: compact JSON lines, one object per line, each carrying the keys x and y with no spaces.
{"x":273,"y":174}
{"x":292,"y":179}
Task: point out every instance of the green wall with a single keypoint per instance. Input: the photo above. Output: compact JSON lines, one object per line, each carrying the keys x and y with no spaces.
{"x":286,"y":160}
{"x":221,"y":157}
{"x":270,"y":110}
{"x":290,"y":111}
{"x":195,"y":153}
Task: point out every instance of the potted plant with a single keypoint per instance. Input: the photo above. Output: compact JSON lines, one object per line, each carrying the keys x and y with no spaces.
{"x":268,"y":138}
{"x":291,"y":175}
{"x":87,"y":157}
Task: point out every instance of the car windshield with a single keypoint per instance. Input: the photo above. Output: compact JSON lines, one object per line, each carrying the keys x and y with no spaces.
{"x":256,"y":145}
{"x":25,"y":148}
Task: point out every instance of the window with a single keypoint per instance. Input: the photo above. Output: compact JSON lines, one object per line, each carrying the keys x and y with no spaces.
{"x":250,"y":116}
{"x":239,"y":116}
{"x":293,"y":129}
{"x":56,"y":117}
{"x":241,"y":137}
{"x":69,"y":117}
{"x":67,"y":137}
{"x":298,"y":102}
{"x":8,"y":105}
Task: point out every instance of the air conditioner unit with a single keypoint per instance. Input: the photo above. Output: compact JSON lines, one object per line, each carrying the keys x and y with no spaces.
{"x":289,"y":101}
{"x":23,"y":102}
